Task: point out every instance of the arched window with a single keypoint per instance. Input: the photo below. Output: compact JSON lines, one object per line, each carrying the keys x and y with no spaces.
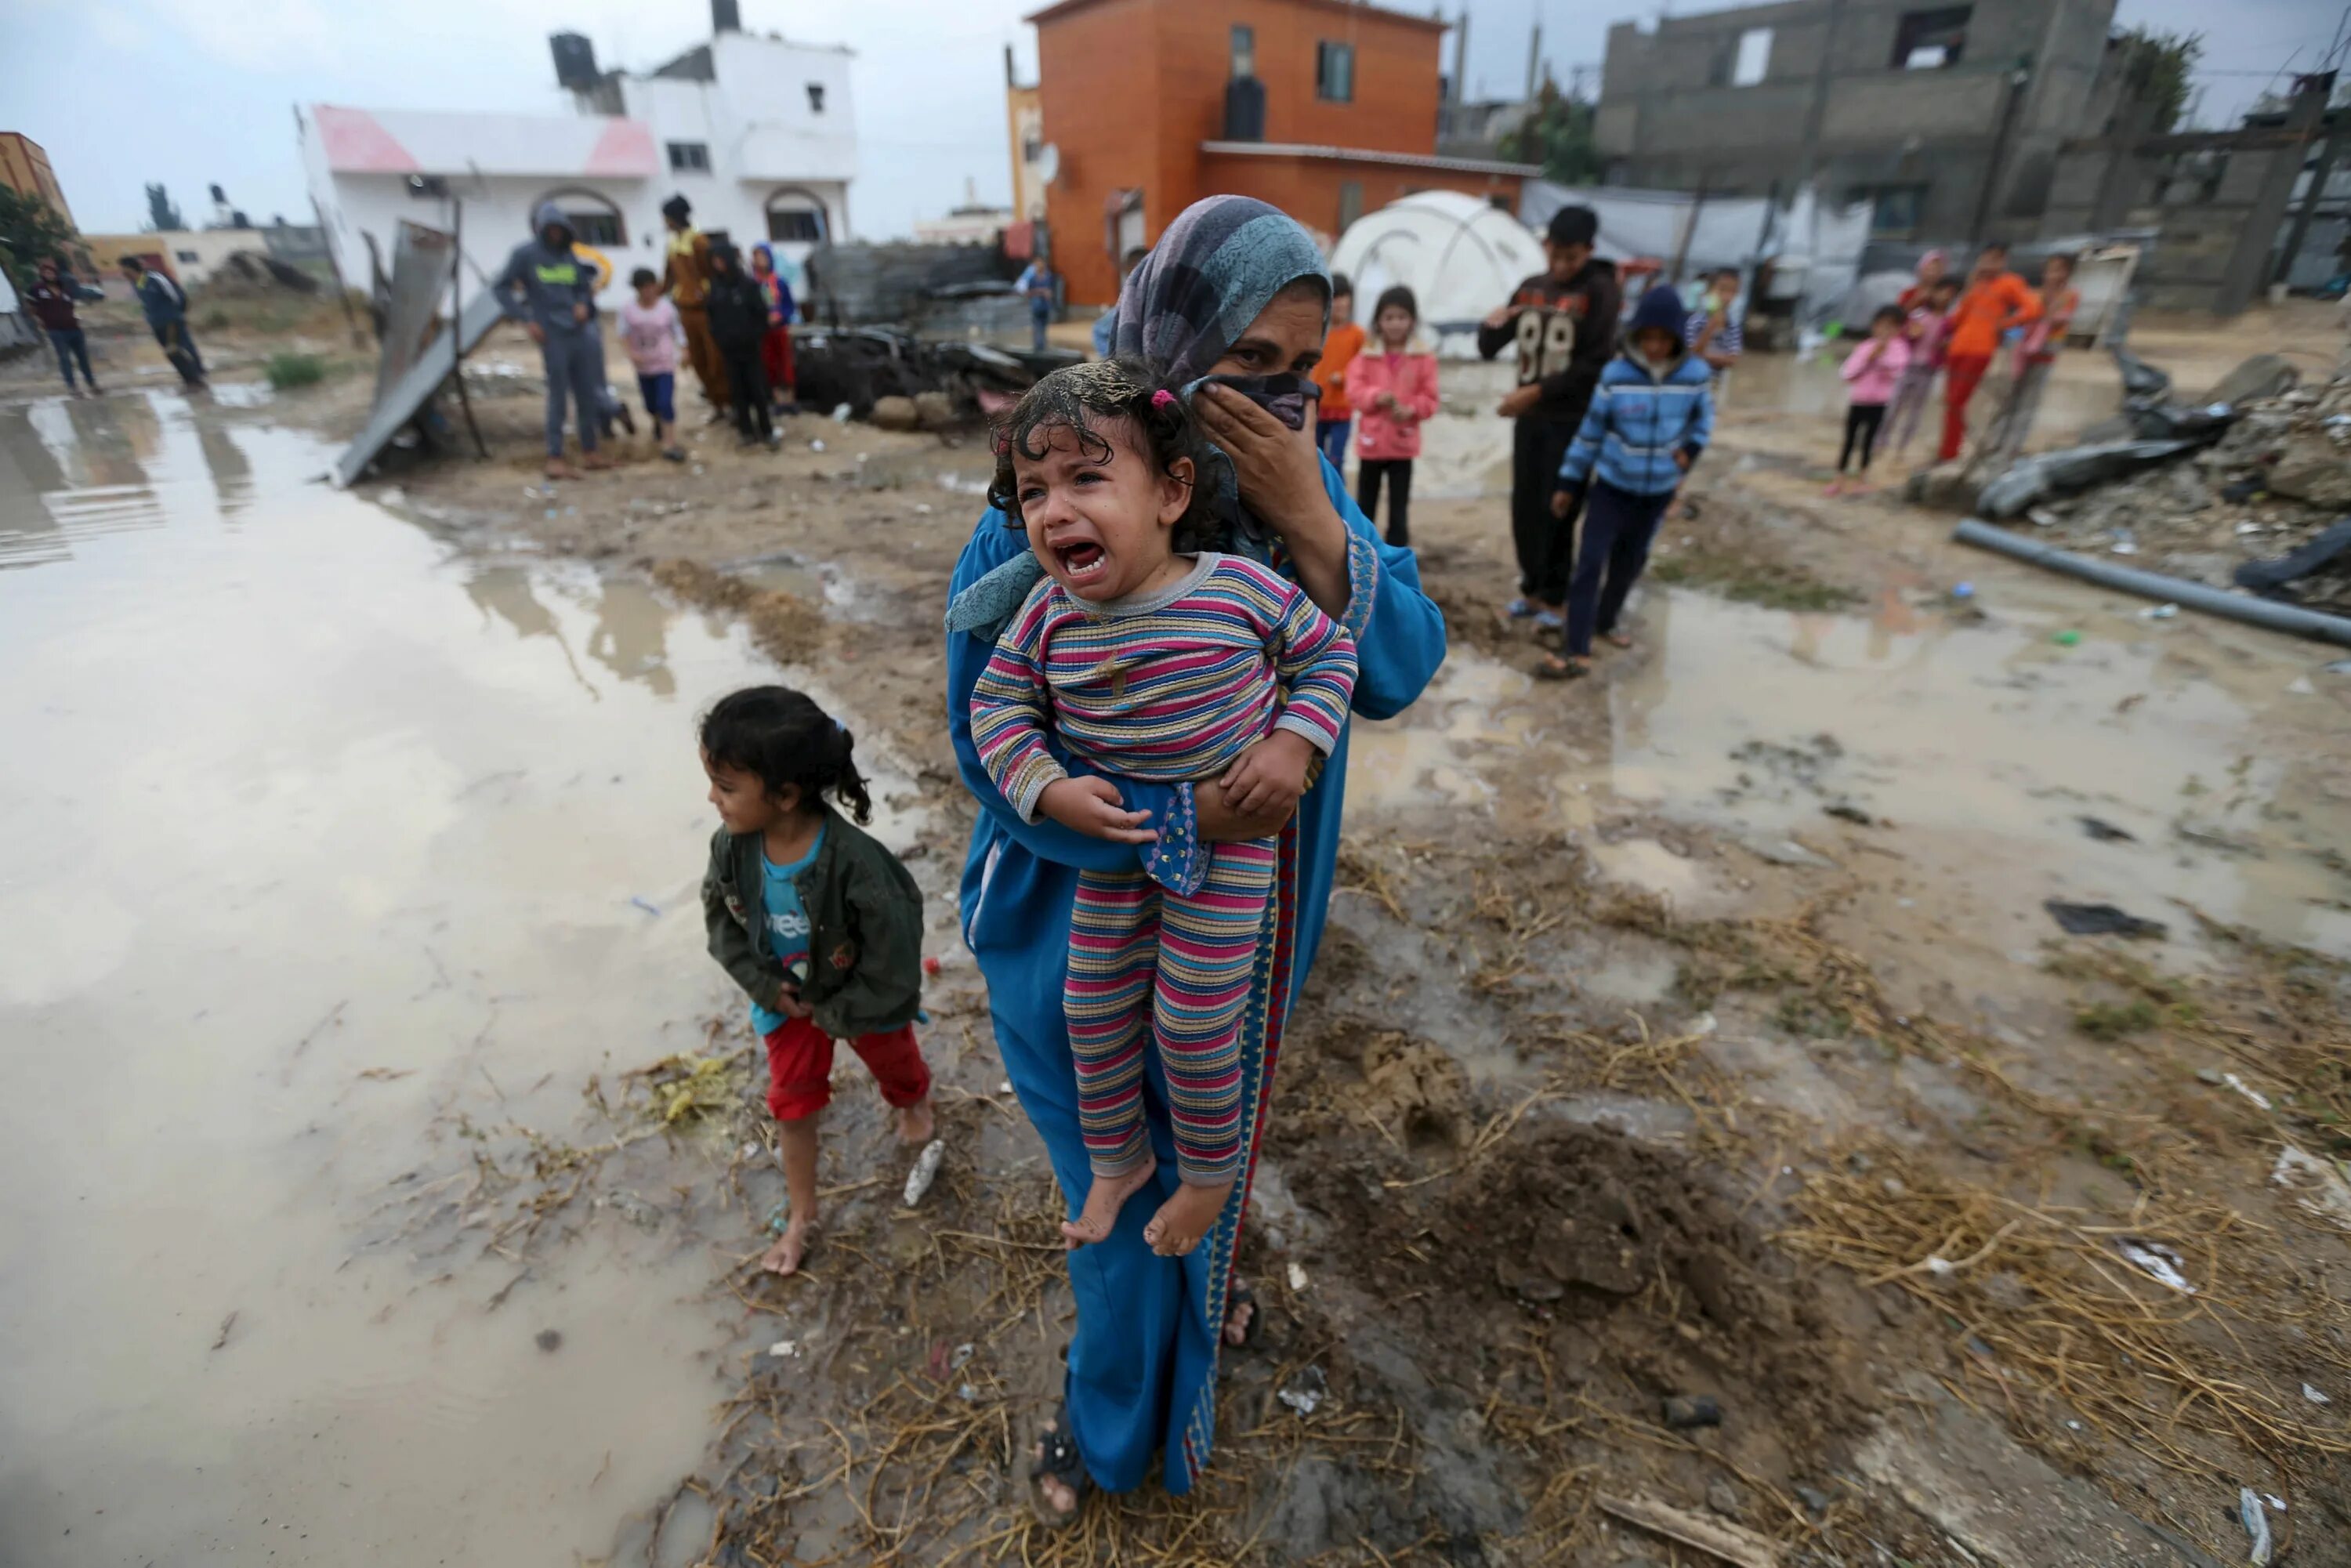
{"x":594,"y":219}
{"x":795,"y":218}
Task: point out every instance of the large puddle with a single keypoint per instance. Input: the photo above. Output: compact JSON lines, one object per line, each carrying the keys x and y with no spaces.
{"x":1976,"y":749}
{"x":313,"y":832}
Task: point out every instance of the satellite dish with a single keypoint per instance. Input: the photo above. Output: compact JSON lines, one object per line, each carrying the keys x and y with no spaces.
{"x":1049,"y":163}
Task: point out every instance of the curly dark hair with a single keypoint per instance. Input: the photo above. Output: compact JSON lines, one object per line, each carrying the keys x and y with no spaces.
{"x":1083,"y":400}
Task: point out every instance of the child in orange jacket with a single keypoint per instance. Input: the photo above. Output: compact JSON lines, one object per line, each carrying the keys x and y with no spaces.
{"x":1996,"y":299}
{"x":1337,"y":410}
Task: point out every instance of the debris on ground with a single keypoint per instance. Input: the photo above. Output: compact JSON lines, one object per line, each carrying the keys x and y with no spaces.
{"x":2321,"y":1187}
{"x":2101,"y":920}
{"x":2262,"y":506}
{"x":925,"y":1171}
{"x":2257,"y":1526}
{"x":1730,"y":1542}
{"x":250,"y":275}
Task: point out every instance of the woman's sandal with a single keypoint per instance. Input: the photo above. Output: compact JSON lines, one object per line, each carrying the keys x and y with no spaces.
{"x":1056,"y":1457}
{"x":1237,"y":1298}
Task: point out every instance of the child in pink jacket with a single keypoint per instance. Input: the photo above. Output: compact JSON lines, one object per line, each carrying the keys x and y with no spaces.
{"x":1392,"y":388}
{"x":1872,"y":371}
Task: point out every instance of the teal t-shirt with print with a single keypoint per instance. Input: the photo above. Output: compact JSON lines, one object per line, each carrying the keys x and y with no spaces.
{"x":785,"y":919}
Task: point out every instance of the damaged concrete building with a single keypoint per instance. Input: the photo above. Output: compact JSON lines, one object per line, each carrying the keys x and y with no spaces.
{"x":1947,"y":118}
{"x":2218,"y":201}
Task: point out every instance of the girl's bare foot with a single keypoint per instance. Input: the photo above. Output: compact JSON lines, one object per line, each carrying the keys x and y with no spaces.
{"x":557,"y":468}
{"x":1619,"y":639}
{"x":595,"y":460}
{"x":784,"y":1257}
{"x":1104,"y":1198}
{"x":915,"y":1123}
{"x":1182,"y":1219}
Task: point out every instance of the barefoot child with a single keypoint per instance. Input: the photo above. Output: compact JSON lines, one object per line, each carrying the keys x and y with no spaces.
{"x":1395,"y":389}
{"x":820,"y":925}
{"x":652,"y":333}
{"x":1650,"y":419}
{"x":1142,"y":654}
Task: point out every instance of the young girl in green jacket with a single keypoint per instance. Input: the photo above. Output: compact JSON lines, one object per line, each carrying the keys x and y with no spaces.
{"x":820,"y":925}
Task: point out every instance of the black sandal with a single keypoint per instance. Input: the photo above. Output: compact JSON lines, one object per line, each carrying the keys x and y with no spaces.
{"x":1058,"y":1458}
{"x":1240,"y":1296}
{"x":1558,"y":669}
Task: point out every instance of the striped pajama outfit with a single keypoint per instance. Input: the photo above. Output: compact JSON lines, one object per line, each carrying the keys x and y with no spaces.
{"x":1167,"y":687}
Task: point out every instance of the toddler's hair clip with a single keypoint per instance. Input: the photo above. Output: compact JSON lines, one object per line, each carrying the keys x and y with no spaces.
{"x":1162,"y":398}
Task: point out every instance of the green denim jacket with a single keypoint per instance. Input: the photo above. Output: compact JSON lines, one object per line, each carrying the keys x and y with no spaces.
{"x":866,"y":935}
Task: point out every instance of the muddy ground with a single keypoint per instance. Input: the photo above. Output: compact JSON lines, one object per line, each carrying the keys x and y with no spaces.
{"x":1694,"y":1031}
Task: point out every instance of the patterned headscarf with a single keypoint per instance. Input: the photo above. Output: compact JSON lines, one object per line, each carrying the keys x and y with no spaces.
{"x":1220,"y":264}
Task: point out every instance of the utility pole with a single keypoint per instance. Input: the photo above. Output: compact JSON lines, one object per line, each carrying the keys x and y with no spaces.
{"x":2019,"y":74}
{"x":1534,"y":56}
{"x":1461,"y":57}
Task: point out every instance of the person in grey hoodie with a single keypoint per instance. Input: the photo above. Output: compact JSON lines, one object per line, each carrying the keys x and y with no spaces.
{"x":551,"y":291}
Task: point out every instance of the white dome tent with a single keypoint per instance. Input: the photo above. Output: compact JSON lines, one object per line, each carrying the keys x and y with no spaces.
{"x":1460,"y":256}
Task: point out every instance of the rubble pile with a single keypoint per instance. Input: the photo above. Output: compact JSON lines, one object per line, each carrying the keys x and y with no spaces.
{"x":250,"y":275}
{"x":2274,"y":484}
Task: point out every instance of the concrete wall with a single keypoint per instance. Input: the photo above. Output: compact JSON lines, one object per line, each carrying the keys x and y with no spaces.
{"x":769,"y":146}
{"x":497,"y":214}
{"x":2218,"y":201}
{"x":194,"y":254}
{"x":1664,"y":122}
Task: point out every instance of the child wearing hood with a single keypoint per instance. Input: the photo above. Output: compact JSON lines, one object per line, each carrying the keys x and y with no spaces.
{"x":738,"y":325}
{"x":1650,"y":417}
{"x":776,"y":348}
{"x":552,"y":292}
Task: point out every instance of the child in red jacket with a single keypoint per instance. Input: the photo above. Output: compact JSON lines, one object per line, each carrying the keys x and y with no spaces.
{"x":1392,"y":386}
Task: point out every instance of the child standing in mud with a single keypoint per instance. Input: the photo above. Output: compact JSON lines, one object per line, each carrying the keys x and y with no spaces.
{"x":1149,"y":656}
{"x":652,"y":333}
{"x":1650,"y":419}
{"x":820,"y":925}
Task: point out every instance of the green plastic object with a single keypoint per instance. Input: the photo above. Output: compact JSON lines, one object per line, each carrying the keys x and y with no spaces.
{"x":2066,"y":639}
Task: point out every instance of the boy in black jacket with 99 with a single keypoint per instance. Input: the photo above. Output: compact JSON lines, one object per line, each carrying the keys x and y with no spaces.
{"x":1563,"y":320}
{"x":738,"y":325}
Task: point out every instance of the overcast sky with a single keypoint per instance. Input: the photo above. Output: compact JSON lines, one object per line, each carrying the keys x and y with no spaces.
{"x":191,"y":92}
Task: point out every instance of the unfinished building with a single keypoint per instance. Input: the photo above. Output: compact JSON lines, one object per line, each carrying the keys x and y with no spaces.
{"x":1947,"y":118}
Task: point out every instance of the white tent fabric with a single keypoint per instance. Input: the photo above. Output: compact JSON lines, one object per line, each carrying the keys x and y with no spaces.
{"x":17,"y":326}
{"x":1817,"y":248}
{"x":1460,"y":256}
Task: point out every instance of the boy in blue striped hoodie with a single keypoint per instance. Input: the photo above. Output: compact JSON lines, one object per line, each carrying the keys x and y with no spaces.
{"x":1650,"y":419}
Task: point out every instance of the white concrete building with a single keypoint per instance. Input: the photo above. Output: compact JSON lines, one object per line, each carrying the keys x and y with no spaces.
{"x":757,"y":133}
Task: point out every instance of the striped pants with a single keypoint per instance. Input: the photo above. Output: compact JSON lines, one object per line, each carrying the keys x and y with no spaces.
{"x":1177,"y":967}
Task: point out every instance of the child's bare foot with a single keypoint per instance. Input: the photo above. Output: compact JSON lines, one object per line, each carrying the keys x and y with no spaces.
{"x":1182,"y":1219}
{"x":595,"y":462}
{"x":915,"y":1123}
{"x":557,"y":468}
{"x":784,"y":1257}
{"x":1619,"y":639}
{"x":1104,"y":1198}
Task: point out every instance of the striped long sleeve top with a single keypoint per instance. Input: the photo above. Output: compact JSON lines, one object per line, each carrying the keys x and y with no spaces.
{"x":1166,"y":686}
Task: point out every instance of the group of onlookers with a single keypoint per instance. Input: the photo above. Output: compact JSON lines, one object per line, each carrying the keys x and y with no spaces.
{"x":1611,"y":413}
{"x":732,"y":323}
{"x":56,"y":297}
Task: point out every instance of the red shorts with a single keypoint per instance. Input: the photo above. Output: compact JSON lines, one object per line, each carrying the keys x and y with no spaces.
{"x":799,"y":1067}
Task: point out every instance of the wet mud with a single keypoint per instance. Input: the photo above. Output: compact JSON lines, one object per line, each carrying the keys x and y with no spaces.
{"x":1666,"y":1027}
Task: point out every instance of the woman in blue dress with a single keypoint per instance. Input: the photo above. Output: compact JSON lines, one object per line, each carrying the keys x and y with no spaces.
{"x":1234,"y":300}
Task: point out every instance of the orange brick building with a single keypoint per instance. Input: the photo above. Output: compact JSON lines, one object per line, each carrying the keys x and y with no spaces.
{"x":1325,"y":109}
